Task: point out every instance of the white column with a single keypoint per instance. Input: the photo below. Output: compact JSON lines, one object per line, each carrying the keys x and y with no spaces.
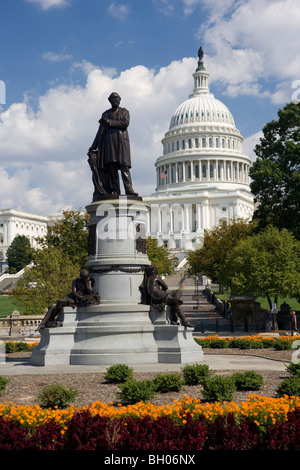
{"x":159,"y":219}
{"x":206,"y":217}
{"x":182,"y":218}
{"x":171,"y":219}
{"x":187,"y":217}
{"x":183,"y":172}
{"x":199,"y":216}
{"x":192,"y":171}
{"x":176,"y":172}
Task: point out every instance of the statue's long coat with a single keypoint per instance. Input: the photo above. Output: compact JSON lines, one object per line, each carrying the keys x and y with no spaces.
{"x":113,"y":142}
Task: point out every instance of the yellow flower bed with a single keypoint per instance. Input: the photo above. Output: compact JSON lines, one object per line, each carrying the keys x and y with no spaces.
{"x":252,"y":338}
{"x":262,"y":410}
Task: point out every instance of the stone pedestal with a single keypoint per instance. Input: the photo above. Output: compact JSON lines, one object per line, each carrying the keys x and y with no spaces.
{"x":120,"y":329}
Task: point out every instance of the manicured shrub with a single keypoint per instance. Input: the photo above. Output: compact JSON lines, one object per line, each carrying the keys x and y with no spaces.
{"x":196,"y":373}
{"x":218,"y":343}
{"x":15,"y":346}
{"x":118,"y":373}
{"x":283,"y":344}
{"x":249,"y":380}
{"x":289,"y":386}
{"x":219,"y":388}
{"x":3,"y":383}
{"x":294,"y":368}
{"x":168,"y":383}
{"x":134,"y":391}
{"x":57,"y":395}
{"x":244,"y":343}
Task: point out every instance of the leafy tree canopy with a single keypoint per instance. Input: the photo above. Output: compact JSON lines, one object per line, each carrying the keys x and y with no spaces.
{"x":276,"y":172}
{"x":71,"y":235}
{"x":19,"y":254}
{"x":160,"y":257}
{"x":265,"y":264}
{"x":47,"y":281}
{"x":218,"y":244}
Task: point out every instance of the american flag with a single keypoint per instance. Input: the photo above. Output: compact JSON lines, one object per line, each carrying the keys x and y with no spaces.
{"x":164,"y":174}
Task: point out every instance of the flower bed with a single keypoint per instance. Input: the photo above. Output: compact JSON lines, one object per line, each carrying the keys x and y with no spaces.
{"x":190,"y":424}
{"x":248,"y":342}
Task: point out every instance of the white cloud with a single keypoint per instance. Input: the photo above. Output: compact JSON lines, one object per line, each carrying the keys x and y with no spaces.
{"x":46,"y":4}
{"x":43,"y":152}
{"x":252,"y":42}
{"x":56,"y":56}
{"x":166,"y":7}
{"x":249,"y":144}
{"x":118,"y":10}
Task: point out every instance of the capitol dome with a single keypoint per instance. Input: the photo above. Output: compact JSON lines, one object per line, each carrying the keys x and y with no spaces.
{"x":203,"y":173}
{"x":202,"y":108}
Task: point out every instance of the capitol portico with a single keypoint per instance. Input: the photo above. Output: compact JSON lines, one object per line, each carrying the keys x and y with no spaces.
{"x":203,"y":174}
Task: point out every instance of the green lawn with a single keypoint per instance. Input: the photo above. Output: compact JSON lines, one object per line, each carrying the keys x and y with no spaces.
{"x":294,"y":305}
{"x":7,"y":305}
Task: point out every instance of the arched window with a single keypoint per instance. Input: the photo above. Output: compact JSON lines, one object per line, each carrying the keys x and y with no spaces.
{"x":196,"y":171}
{"x":204,"y":170}
{"x":189,"y":171}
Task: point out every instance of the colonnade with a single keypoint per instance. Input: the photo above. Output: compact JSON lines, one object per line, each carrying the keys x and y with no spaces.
{"x":208,"y":169}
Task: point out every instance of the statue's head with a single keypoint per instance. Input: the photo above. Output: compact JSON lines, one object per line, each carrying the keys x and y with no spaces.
{"x":114,"y":99}
{"x":151,"y":270}
{"x":84,"y":273}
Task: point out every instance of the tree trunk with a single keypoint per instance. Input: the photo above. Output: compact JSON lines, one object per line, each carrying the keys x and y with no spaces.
{"x":269,"y":300}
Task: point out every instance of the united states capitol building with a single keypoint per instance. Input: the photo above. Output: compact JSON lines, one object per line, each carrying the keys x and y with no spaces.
{"x":202,"y":177}
{"x":203,"y":174}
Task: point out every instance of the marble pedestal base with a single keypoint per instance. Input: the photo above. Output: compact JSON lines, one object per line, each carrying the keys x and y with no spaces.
{"x":114,"y":335}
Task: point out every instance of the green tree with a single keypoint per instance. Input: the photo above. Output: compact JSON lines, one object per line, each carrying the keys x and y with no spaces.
{"x":19,"y":254}
{"x":265,"y":264}
{"x":218,"y":244}
{"x":160,"y":257}
{"x":71,"y":235}
{"x":47,"y":281}
{"x":276,"y":172}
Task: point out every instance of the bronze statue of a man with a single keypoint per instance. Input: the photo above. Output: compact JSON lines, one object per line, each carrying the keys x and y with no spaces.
{"x":113,"y":151}
{"x":155,"y":292}
{"x":82,"y":295}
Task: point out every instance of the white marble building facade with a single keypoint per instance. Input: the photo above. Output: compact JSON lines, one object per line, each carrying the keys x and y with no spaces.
{"x":15,"y":222}
{"x":203,"y":174}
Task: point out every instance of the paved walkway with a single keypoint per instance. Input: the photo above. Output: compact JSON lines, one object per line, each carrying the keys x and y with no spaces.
{"x":22,"y":366}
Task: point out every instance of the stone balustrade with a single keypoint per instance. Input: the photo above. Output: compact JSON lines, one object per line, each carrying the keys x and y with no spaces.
{"x":17,"y":324}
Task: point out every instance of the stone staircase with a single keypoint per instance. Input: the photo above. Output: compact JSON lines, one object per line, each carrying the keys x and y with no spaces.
{"x":197,"y":309}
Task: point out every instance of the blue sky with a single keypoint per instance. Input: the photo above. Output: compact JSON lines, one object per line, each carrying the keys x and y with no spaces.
{"x":60,"y":59}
